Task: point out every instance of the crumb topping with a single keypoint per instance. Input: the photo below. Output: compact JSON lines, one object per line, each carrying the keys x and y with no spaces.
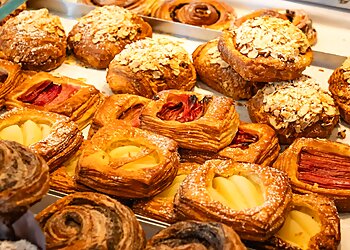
{"x":346,"y":67}
{"x":300,"y":101}
{"x":215,"y":57}
{"x":154,"y":54}
{"x":271,"y":36}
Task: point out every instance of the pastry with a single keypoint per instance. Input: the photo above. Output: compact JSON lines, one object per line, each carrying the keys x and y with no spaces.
{"x":128,"y":162}
{"x":196,"y":235}
{"x":149,"y":66}
{"x":24,"y":180}
{"x":266,"y":49}
{"x":45,"y":43}
{"x":50,"y":135}
{"x":247,"y":197}
{"x":14,"y":13}
{"x":297,"y":17}
{"x":298,"y":108}
{"x":160,"y":207}
{"x":9,"y":78}
{"x":59,"y":94}
{"x":103,"y":33}
{"x":90,"y":221}
{"x":339,"y":86}
{"x":118,"y":107}
{"x":210,"y":14}
{"x":219,"y":75}
{"x":318,"y":166}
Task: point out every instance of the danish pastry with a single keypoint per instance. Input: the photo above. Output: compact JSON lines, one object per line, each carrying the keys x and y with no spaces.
{"x":194,"y":120}
{"x":103,"y":33}
{"x":266,"y":49}
{"x":52,"y":136}
{"x":247,"y":197}
{"x":298,"y":108}
{"x":318,"y":166}
{"x":149,"y":66}
{"x":9,"y":78}
{"x":128,"y":162}
{"x":58,"y":94}
{"x":90,"y":221}
{"x":45,"y":43}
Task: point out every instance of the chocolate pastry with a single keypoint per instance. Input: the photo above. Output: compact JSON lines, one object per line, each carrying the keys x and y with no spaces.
{"x":9,"y":78}
{"x":58,"y":94}
{"x":50,"y":135}
{"x":196,"y":235}
{"x":266,"y":49}
{"x":35,"y":39}
{"x":128,"y":162}
{"x":149,"y":66}
{"x":250,"y":198}
{"x":90,"y":221}
{"x":193,"y":120}
{"x":103,"y":33}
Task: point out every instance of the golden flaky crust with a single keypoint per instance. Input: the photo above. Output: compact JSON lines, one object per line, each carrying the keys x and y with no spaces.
{"x":45,"y":43}
{"x":10,"y":76}
{"x":219,"y":75}
{"x":99,"y":169}
{"x":325,"y":175}
{"x":210,"y":14}
{"x":193,"y":200}
{"x":196,"y":236}
{"x":103,"y":33}
{"x":90,"y":220}
{"x":118,"y":107}
{"x":149,"y":66}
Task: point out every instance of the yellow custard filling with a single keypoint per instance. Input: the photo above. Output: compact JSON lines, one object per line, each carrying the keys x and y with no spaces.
{"x":171,"y":191}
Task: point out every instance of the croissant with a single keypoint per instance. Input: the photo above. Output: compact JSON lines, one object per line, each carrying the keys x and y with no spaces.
{"x":90,"y":220}
{"x":9,"y":78}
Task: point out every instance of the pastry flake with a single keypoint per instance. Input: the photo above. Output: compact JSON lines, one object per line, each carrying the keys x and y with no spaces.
{"x":10,"y":77}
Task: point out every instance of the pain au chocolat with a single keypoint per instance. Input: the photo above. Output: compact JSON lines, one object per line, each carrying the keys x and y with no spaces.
{"x":193,"y":120}
{"x":89,"y":220}
{"x":318,"y":166}
{"x":128,"y":162}
{"x":9,"y":78}
{"x":250,"y":198}
{"x":51,"y":135}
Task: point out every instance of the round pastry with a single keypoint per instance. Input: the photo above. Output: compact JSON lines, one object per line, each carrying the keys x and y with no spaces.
{"x":90,"y":221}
{"x":35,"y":39}
{"x":196,"y":235}
{"x":9,"y":78}
{"x":103,"y":33}
{"x":14,"y":13}
{"x":24,"y":180}
{"x":210,"y":14}
{"x":247,"y":197}
{"x":339,"y":86}
{"x":266,"y":49}
{"x":149,"y":66}
{"x":219,"y":75}
{"x":298,"y":108}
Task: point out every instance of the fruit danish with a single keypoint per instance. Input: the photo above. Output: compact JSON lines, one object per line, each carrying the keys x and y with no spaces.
{"x":9,"y":78}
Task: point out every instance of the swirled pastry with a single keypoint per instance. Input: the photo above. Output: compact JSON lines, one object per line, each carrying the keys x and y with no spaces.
{"x":103,"y":33}
{"x":14,"y":13}
{"x":219,"y":75}
{"x":24,"y":180}
{"x":194,"y":120}
{"x":247,"y":197}
{"x":149,"y":66}
{"x":196,"y":235}
{"x":128,"y":162}
{"x":266,"y":49}
{"x":9,"y":78}
{"x":318,"y":166}
{"x":210,"y":14}
{"x":339,"y":86}
{"x":90,"y":221}
{"x":52,"y":136}
{"x":45,"y":43}
{"x":298,"y":108}
{"x":118,"y":107}
{"x":58,"y":94}
{"x":160,"y":207}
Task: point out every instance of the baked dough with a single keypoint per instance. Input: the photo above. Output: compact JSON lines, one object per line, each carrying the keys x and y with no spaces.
{"x":128,"y":162}
{"x":250,"y":198}
{"x":194,"y":120}
{"x":10,"y":76}
{"x":103,"y":33}
{"x":14,"y":13}
{"x":50,"y":135}
{"x":149,"y":66}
